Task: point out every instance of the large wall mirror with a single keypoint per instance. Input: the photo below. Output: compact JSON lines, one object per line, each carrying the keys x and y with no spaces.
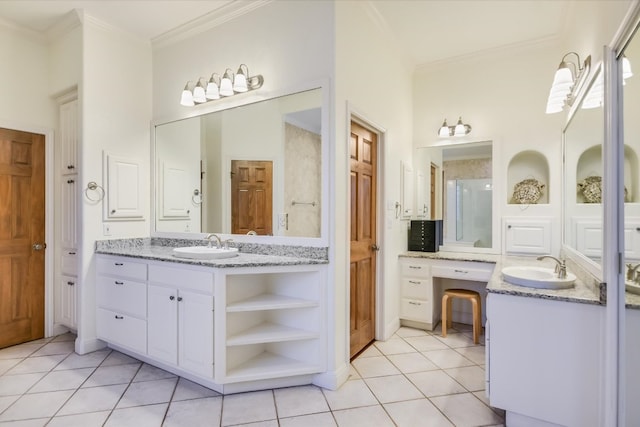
{"x":583,"y":139}
{"x":254,"y":169}
{"x":459,"y":190}
{"x":630,"y":58}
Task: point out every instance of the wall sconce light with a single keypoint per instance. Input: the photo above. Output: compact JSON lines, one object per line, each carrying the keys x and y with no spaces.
{"x":230,"y":84}
{"x":567,"y":81}
{"x":460,"y":129}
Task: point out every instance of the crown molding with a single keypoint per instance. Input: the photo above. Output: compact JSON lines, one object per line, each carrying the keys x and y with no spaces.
{"x":25,"y":32}
{"x":66,"y":24}
{"x":485,"y":54}
{"x":206,"y":22}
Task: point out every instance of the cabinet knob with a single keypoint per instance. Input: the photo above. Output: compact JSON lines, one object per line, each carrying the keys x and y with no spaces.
{"x":70,"y":283}
{"x":179,"y":299}
{"x":70,"y":167}
{"x":70,"y":181}
{"x":172,"y":297}
{"x":113,"y":211}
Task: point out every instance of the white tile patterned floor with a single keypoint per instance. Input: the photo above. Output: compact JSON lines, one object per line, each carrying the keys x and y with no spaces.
{"x":414,"y":379}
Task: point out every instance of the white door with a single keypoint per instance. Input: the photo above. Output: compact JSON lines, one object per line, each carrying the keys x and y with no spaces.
{"x":66,"y":307}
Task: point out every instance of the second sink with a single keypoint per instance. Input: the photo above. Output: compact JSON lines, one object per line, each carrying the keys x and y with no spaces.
{"x":537,"y":277}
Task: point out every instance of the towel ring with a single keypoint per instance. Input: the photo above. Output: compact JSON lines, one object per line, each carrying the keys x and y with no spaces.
{"x":93,"y":186}
{"x":197,"y":197}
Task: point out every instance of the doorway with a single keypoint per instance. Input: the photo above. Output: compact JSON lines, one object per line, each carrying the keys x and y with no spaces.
{"x":251,"y":197}
{"x":22,"y":236}
{"x":363,"y":151}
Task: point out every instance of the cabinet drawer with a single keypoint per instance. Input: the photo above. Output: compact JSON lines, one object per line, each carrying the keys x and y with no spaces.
{"x":413,"y":309}
{"x":463,"y":273}
{"x":70,"y":263}
{"x":121,"y":329}
{"x":122,"y":295}
{"x":415,"y":288}
{"x":410,"y":269}
{"x":183,"y":278}
{"x":121,"y":267}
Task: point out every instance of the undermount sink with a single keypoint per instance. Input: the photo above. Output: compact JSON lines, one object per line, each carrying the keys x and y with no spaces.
{"x":537,"y":277}
{"x":204,"y":252}
{"x":632,"y":287}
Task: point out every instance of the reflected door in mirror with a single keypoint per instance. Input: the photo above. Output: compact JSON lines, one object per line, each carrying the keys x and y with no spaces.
{"x":251,"y":196}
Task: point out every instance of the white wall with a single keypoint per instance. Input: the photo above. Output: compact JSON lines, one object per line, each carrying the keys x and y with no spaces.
{"x":376,"y":83}
{"x":24,"y":81}
{"x":116,"y":111}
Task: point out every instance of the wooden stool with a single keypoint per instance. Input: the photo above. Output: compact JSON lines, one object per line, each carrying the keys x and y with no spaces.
{"x":476,"y":305}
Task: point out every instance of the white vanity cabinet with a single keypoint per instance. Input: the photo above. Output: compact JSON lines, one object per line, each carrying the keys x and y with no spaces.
{"x":421,"y":292}
{"x":121,"y":297}
{"x":231,"y":329}
{"x":544,"y":359}
{"x":274,"y":323}
{"x":180,"y":317}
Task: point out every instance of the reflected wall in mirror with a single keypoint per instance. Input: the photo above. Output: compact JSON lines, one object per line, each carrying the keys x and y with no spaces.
{"x":254,"y":168}
{"x":461,"y":192}
{"x":583,"y":138}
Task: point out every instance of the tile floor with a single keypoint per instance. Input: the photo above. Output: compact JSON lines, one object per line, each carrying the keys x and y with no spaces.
{"x":416,"y":378}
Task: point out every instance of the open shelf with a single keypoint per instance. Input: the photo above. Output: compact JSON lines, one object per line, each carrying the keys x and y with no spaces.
{"x":270,"y":302}
{"x":269,"y":365}
{"x":269,"y":332}
{"x":528,"y":164}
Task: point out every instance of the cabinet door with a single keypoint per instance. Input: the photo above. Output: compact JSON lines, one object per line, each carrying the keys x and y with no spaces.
{"x":69,"y":137}
{"x":527,"y":236}
{"x":68,"y":215}
{"x":195,"y":320}
{"x":162,"y":323}
{"x":66,"y":301}
{"x":124,"y":192}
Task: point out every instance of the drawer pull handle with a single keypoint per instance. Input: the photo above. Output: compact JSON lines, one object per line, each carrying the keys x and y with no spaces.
{"x":72,"y":253}
{"x":413,"y":282}
{"x":461,"y":271}
{"x":415,"y":267}
{"x":172,"y":297}
{"x":414,"y":303}
{"x":119,"y":263}
{"x":119,"y":317}
{"x":70,"y":283}
{"x":119,"y":283}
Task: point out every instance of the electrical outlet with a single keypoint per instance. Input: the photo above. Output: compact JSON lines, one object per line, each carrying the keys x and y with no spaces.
{"x":106,"y":229}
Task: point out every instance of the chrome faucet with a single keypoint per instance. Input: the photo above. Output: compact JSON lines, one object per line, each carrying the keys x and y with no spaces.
{"x":210,"y":237}
{"x":561,"y":266}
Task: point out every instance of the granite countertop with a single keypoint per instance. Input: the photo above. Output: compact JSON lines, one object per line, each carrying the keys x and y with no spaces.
{"x":144,"y":249}
{"x":587,"y":290}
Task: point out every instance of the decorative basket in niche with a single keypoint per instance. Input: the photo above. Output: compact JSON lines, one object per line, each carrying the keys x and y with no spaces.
{"x":527,"y":191}
{"x":591,"y":188}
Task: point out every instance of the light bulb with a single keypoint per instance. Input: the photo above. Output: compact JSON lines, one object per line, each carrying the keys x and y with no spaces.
{"x":226,"y":87}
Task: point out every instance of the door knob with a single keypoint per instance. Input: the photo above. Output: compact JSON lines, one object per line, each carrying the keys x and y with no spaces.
{"x":375,"y":247}
{"x":39,"y":246}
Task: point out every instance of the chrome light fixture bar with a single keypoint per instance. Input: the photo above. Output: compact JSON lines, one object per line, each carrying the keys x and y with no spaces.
{"x":460,"y":129}
{"x":567,"y":81}
{"x":215,"y":88}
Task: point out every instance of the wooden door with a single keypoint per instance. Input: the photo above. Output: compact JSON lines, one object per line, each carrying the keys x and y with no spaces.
{"x":363,"y":152}
{"x":22,"y":216}
{"x":251,"y":196}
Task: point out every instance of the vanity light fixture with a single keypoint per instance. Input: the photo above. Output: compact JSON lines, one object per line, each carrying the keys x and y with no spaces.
{"x":567,"y":81}
{"x":230,"y":84}
{"x":460,"y":129}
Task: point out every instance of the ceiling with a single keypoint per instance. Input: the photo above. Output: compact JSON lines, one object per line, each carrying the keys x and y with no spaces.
{"x":425,"y":31}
